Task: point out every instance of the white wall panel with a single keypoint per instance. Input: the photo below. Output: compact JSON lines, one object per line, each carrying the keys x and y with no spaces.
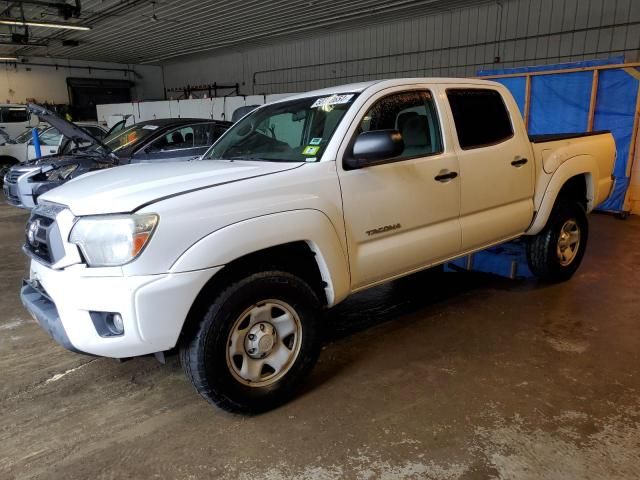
{"x":196,"y":108}
{"x":230,"y":105}
{"x":154,"y":110}
{"x":217,"y":108}
{"x":105,"y":111}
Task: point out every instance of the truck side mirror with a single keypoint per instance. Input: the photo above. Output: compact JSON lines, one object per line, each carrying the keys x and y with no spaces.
{"x":374,"y":148}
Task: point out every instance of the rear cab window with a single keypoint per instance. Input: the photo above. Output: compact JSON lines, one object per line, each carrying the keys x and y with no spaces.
{"x":480,"y":116}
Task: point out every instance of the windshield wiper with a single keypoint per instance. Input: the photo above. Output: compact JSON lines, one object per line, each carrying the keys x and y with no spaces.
{"x":245,"y":157}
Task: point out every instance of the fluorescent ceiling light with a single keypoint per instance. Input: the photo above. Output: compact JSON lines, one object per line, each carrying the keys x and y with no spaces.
{"x":34,"y":23}
{"x":8,"y":59}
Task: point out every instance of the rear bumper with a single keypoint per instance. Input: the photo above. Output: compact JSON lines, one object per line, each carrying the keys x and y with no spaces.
{"x":153,"y":307}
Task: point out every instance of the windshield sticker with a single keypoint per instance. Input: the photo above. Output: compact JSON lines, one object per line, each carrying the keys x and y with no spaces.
{"x":150,"y":127}
{"x":332,"y":100}
{"x":315,"y":141}
{"x":310,"y":150}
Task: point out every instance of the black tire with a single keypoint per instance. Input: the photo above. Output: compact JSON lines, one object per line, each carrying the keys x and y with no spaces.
{"x":542,"y":249}
{"x":204,"y":352}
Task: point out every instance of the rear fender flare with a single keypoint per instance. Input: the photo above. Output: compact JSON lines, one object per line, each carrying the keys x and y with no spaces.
{"x":579,"y":165}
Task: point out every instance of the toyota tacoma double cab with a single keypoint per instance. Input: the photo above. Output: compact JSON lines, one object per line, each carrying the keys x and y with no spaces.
{"x":231,"y":258}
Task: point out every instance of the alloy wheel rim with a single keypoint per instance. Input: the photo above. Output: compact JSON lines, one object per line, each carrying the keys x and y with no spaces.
{"x":568,"y":242}
{"x":264,"y":342}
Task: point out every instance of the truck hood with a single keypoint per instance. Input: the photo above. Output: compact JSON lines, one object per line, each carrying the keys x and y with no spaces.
{"x":124,"y":189}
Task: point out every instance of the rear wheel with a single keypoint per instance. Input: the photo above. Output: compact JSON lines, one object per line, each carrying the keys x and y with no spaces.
{"x":255,"y":344}
{"x":556,"y":252}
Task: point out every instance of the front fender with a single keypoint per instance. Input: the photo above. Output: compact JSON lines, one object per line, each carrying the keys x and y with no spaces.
{"x":239,"y":239}
{"x":579,"y":165}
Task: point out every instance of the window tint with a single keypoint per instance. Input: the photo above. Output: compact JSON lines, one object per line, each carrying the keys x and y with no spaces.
{"x":481,"y":117}
{"x":413,"y":114}
{"x":191,"y":136}
{"x":14,"y":114}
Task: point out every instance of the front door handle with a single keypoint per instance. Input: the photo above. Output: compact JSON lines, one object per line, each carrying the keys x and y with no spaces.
{"x":445,"y":176}
{"x":518,"y":162}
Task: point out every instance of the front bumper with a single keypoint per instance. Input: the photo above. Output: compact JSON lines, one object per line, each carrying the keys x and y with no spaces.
{"x":20,"y":193}
{"x":153,"y":307}
{"x":36,"y":301}
{"x":11,"y":194}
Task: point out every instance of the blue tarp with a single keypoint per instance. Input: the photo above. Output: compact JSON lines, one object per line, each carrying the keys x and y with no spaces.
{"x":559,"y":103}
{"x":615,"y":109}
{"x":557,"y":66}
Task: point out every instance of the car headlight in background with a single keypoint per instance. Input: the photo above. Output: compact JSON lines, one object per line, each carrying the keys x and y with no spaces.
{"x":61,"y":173}
{"x":113,"y":240}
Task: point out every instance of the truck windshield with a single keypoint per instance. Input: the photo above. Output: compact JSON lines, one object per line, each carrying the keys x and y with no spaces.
{"x":290,"y":131}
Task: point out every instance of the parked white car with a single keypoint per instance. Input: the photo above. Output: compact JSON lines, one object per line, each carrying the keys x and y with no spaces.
{"x":15,"y":119}
{"x":300,"y":204}
{"x":22,"y":148}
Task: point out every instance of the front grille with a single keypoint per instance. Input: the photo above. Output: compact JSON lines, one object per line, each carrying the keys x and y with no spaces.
{"x":42,"y":235}
{"x":37,"y":237}
{"x":13,"y":175}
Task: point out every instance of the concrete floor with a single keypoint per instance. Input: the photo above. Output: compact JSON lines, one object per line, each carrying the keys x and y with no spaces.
{"x":480,"y":377}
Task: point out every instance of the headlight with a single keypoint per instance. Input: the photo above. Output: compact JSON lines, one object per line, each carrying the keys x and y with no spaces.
{"x":112,"y":240}
{"x":61,"y":173}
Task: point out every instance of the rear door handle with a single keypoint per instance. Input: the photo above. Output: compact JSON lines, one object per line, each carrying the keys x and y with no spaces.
{"x":445,"y":176}
{"x":518,"y":162}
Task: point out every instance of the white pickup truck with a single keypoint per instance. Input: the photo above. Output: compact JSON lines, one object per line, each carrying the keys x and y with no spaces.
{"x":303,"y":202}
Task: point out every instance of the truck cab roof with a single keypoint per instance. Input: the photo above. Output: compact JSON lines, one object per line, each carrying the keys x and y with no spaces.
{"x":382,"y":84}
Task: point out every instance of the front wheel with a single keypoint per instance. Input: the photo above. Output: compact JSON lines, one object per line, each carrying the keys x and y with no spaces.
{"x":255,"y":343}
{"x":556,"y":252}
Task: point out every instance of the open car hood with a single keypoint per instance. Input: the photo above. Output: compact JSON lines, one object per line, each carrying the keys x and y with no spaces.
{"x":68,"y":129}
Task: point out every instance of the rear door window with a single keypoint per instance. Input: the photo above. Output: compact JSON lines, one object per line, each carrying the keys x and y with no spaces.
{"x":480,"y":116}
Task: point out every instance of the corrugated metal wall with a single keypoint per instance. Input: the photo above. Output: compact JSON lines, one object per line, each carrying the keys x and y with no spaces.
{"x":451,"y":43}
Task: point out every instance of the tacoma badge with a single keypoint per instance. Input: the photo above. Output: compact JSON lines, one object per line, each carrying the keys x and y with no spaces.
{"x":386,"y":228}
